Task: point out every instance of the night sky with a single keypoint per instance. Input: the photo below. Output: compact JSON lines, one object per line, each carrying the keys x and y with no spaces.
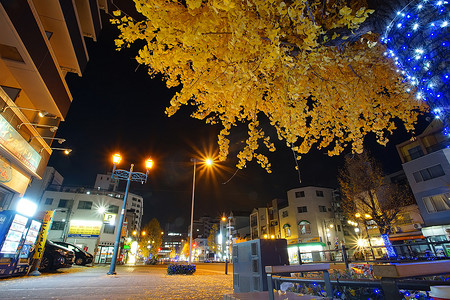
{"x":117,"y":107}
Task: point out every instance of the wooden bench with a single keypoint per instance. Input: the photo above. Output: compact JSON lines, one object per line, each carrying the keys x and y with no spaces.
{"x":270,"y":270}
{"x":391,"y":273}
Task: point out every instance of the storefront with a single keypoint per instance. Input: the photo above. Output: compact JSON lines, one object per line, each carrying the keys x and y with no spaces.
{"x":310,"y":252}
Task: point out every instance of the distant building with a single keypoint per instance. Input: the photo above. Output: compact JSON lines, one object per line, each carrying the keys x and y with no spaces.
{"x":88,"y":217}
{"x":426,"y":162}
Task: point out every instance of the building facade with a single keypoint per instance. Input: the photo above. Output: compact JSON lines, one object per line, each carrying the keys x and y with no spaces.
{"x":40,"y":43}
{"x":426,"y":162}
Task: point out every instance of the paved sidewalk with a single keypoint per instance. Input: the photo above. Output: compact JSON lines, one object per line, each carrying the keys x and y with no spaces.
{"x":131,"y":282}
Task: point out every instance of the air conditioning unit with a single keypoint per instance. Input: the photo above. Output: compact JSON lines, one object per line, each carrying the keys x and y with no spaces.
{"x":417,"y":225}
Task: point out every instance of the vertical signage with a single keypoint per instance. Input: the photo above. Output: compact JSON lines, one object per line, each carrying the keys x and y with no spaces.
{"x":42,"y":238}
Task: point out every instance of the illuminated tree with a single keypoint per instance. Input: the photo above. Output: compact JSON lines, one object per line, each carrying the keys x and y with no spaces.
{"x":310,"y":69}
{"x":151,"y":241}
{"x":365,"y":192}
{"x":212,"y":239}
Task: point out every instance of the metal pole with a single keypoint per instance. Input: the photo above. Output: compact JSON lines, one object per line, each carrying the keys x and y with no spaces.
{"x":112,"y":268}
{"x":192,"y":214}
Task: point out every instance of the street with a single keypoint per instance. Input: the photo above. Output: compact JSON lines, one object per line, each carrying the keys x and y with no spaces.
{"x":131,"y":282}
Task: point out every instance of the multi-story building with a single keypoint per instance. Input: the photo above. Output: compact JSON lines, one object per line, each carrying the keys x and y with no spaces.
{"x":310,"y":223}
{"x":40,"y":43}
{"x":426,"y":162}
{"x":265,"y":221}
{"x":135,"y":203}
{"x":87,"y":217}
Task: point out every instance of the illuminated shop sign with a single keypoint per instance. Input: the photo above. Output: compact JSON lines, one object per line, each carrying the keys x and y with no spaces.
{"x":84,"y":229}
{"x":12,"y":141}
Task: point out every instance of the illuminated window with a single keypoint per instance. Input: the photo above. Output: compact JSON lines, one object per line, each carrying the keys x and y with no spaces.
{"x":304,"y":227}
{"x":437,"y":203}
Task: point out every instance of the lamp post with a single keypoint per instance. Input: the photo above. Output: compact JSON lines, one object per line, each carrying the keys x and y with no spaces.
{"x":228,"y":242}
{"x":208,"y":162}
{"x":366,"y":216}
{"x":128,"y":176}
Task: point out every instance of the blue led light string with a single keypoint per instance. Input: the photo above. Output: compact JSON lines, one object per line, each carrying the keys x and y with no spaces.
{"x":418,"y":40}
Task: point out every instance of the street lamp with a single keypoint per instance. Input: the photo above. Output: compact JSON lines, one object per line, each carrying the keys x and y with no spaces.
{"x":128,"y":176}
{"x":366,"y":217}
{"x":208,"y":162}
{"x":228,"y":242}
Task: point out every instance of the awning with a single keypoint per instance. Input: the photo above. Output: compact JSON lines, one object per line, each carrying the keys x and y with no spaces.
{"x":303,"y":222}
{"x":409,"y":237}
{"x":286,"y":225}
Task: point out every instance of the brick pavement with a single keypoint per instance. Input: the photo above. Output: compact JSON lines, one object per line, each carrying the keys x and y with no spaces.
{"x":131,"y":282}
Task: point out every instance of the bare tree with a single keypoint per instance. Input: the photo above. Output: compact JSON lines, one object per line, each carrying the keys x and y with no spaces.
{"x":365,"y":191}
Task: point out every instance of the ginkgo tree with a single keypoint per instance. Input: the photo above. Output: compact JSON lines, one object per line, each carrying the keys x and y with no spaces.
{"x":246,"y":62}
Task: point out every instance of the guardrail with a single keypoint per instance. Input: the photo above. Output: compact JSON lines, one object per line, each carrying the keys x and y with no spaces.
{"x":393,"y":277}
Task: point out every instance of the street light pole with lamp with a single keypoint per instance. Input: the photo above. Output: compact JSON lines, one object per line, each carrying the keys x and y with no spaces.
{"x":208,"y":162}
{"x":128,"y":176}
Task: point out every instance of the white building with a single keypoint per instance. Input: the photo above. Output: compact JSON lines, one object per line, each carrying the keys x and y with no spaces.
{"x":87,"y":217}
{"x":426,"y":162}
{"x":309,"y":223}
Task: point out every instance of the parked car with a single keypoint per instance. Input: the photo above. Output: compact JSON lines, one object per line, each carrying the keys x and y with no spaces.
{"x":81,"y":257}
{"x":55,"y":257}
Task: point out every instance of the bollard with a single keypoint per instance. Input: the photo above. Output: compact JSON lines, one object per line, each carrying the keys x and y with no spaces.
{"x":226,"y":266}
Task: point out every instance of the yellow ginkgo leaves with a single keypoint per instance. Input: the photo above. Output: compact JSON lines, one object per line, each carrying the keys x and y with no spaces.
{"x":237,"y":61}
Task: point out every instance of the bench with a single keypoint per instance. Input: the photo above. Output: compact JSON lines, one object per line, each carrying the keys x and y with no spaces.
{"x":270,"y":270}
{"x":391,"y":273}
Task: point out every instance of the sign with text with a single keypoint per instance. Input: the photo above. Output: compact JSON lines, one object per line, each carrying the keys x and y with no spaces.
{"x":12,"y":141}
{"x":42,"y":237}
{"x":84,"y":229}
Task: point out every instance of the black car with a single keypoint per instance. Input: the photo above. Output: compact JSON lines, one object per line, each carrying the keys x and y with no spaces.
{"x":81,"y":257}
{"x":55,"y":257}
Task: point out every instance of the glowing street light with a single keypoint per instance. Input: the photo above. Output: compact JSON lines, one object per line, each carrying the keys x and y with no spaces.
{"x":208,"y":162}
{"x":128,"y":176}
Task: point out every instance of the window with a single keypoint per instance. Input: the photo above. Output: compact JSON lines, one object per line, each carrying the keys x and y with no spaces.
{"x":10,"y":52}
{"x":84,"y":205}
{"x":58,"y":225}
{"x":415,"y":152}
{"x":13,"y":93}
{"x":319,"y":193}
{"x":284,"y":214}
{"x":338,"y":227}
{"x":304,"y":227}
{"x":63,"y":203}
{"x":322,"y":208}
{"x":302,"y":209}
{"x":114,"y":209}
{"x":287,"y":230}
{"x":437,"y":203}
{"x":48,"y":201}
{"x":300,"y":194}
{"x":109,"y":228}
{"x":429,"y":173}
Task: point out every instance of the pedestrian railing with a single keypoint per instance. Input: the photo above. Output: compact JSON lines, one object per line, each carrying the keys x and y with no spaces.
{"x":391,"y":273}
{"x":270,"y":270}
{"x":393,"y":277}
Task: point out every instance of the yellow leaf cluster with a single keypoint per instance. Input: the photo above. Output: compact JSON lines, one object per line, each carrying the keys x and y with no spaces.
{"x":239,"y":60}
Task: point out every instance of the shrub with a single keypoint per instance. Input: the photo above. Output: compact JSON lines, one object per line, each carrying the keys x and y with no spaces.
{"x":174,"y":269}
